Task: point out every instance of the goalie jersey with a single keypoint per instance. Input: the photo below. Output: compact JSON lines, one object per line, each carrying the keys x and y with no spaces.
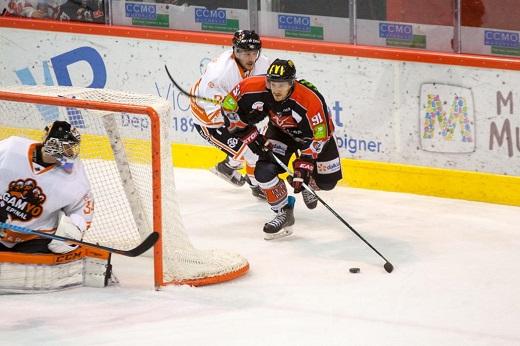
{"x":221,"y":75}
{"x":33,"y":196}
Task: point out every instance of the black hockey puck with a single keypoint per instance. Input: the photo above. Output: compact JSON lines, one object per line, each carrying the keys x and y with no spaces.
{"x":354,"y":270}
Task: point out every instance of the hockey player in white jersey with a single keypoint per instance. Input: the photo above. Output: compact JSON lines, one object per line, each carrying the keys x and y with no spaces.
{"x":221,"y":75}
{"x":38,"y":183}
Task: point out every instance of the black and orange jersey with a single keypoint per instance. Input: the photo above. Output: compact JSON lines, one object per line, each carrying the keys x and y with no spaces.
{"x":303,"y":115}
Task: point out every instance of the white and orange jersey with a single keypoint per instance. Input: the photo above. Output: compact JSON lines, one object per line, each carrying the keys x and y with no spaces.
{"x":33,"y":196}
{"x":221,"y":75}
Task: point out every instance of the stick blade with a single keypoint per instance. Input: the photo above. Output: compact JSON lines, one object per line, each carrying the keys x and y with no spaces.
{"x":143,"y":247}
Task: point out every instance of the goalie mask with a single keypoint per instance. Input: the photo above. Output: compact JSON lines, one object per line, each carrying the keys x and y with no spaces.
{"x":61,"y":141}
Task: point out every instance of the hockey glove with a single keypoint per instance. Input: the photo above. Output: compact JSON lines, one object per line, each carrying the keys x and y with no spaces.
{"x":69,"y":228}
{"x":256,"y":116}
{"x":303,"y":169}
{"x":232,"y":122}
{"x":254,"y":140}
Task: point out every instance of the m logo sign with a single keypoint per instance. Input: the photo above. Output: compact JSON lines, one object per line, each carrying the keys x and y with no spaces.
{"x":447,"y":119}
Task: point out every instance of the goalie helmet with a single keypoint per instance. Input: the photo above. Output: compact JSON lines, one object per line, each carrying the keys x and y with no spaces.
{"x":61,"y":141}
{"x":247,"y":40}
{"x":281,"y":71}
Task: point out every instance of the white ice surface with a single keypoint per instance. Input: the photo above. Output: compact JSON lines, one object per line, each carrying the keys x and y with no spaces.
{"x":456,"y":279}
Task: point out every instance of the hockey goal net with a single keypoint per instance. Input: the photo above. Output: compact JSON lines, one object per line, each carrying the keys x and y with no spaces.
{"x":126,"y":149}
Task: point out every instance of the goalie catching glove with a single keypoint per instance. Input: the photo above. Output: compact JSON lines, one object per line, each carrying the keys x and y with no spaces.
{"x":303,"y":168}
{"x":73,"y":228}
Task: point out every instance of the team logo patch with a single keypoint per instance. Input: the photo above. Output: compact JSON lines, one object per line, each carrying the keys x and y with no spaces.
{"x":23,"y":199}
{"x":258,"y":105}
{"x":320,"y":131}
{"x":328,"y":167}
{"x":229,"y":104}
{"x":278,"y":147}
{"x":232,"y":142}
{"x":283,"y":122}
{"x":317,"y":146}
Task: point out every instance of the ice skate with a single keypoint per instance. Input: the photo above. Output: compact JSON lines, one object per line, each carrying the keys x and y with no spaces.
{"x":256,"y":191}
{"x":280,"y":226}
{"x":228,"y":173}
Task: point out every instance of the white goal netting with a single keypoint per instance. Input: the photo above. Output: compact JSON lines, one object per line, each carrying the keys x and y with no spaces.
{"x":128,"y":159}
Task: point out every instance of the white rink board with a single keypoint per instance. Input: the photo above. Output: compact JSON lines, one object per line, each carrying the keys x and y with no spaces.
{"x":376,"y":104}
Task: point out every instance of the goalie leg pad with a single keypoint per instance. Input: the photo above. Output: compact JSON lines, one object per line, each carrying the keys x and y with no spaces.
{"x":34,"y":273}
{"x":97,"y":269}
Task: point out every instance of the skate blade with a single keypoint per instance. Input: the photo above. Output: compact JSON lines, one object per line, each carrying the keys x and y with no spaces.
{"x":227,"y":178}
{"x":285,"y":232}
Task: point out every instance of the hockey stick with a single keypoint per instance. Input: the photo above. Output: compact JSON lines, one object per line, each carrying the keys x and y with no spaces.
{"x":388,"y":266}
{"x":141,"y":248}
{"x":207,"y":99}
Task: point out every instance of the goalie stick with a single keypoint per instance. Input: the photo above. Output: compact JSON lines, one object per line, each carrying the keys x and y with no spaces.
{"x":138,"y":250}
{"x":388,"y":266}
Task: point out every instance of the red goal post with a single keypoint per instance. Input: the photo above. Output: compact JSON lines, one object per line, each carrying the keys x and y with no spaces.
{"x":130,"y":170}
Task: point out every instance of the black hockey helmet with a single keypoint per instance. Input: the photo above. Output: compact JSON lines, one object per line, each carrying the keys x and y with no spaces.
{"x":281,"y":71}
{"x":61,"y":140}
{"x":247,"y":40}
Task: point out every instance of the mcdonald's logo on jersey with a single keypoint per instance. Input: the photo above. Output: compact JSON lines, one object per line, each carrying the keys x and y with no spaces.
{"x":447,"y":119}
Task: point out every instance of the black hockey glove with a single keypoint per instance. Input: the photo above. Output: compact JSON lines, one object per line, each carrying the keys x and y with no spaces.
{"x":254,"y":140}
{"x":232,"y":122}
{"x":303,"y":168}
{"x":256,"y":116}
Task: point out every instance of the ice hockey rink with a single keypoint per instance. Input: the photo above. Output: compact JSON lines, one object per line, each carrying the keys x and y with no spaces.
{"x":456,"y":279}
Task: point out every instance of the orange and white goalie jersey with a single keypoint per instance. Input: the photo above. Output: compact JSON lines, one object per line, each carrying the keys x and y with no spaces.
{"x":221,"y":75}
{"x":32,"y":196}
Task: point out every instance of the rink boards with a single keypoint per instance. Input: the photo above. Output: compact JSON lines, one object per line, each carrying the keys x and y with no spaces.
{"x":410,"y":121}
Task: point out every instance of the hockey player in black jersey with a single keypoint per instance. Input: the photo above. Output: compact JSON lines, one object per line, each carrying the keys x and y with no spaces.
{"x":299,"y":123}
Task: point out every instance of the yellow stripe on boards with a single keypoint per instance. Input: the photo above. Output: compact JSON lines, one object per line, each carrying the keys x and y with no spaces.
{"x":474,"y":186}
{"x":196,"y":156}
{"x":21,"y":132}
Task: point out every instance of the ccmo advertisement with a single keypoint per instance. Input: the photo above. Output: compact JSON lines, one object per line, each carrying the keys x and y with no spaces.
{"x":390,"y":111}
